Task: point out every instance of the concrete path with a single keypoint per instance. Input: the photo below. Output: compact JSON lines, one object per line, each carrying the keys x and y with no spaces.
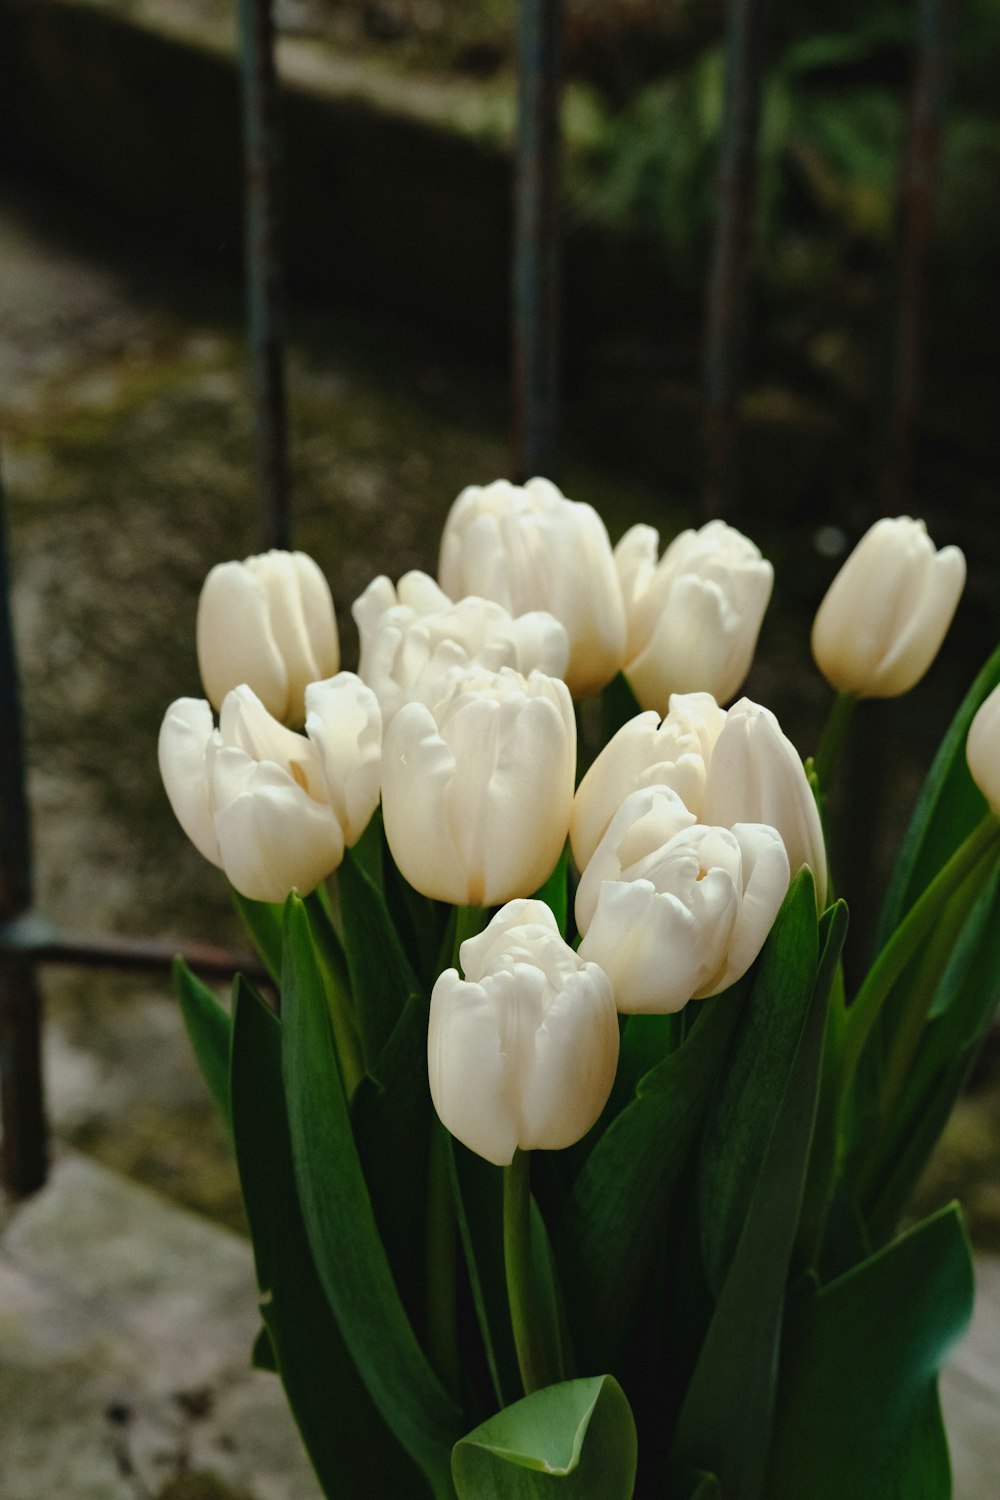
{"x":125,"y":1333}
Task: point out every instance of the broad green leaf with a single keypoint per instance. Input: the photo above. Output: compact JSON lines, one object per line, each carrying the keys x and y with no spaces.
{"x":381,"y":977}
{"x":350,"y":1446}
{"x":707,"y":1488}
{"x":576,"y":1439}
{"x":396,"y":1108}
{"x":948,"y":808}
{"x":739,"y":1125}
{"x":210,"y":1029}
{"x":340,"y":1223}
{"x":860,"y":1364}
{"x":736,"y":1372}
{"x":263,"y":924}
{"x":614,"y":1218}
{"x":262,"y":1356}
{"x":550,"y":1300}
{"x":920,"y":1467}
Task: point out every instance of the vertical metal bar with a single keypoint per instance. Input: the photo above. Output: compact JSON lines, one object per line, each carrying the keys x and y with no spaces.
{"x":918,"y":176}
{"x":727,"y":283}
{"x":21,"y":1101}
{"x":265,"y":282}
{"x":537,"y":219}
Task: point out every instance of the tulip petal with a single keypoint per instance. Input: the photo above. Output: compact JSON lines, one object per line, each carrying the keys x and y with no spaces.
{"x":273,"y":838}
{"x":469,"y":1072}
{"x":417,"y":770}
{"x":185,"y":735}
{"x":344,"y":723}
{"x":235,"y":640}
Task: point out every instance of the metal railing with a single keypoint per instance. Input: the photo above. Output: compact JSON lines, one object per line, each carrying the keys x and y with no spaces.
{"x":27,"y":940}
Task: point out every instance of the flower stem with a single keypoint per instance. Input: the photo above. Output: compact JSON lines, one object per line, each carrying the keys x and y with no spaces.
{"x":890,"y":963}
{"x":834,"y":738}
{"x":468,"y":922}
{"x":522,"y":1288}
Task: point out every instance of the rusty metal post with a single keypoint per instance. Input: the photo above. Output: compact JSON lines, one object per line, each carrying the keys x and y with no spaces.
{"x":264,"y":276}
{"x":728,"y":273}
{"x":537,"y":219}
{"x":917,"y":184}
{"x":25,"y":1146}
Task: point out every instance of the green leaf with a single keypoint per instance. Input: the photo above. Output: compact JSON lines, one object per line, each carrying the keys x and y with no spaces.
{"x":262,"y":1355}
{"x":263,"y":924}
{"x":860,"y":1365}
{"x":614,"y":1219}
{"x":477,"y":1187}
{"x":210,"y":1029}
{"x":350,"y":1447}
{"x":948,"y":808}
{"x":384,"y":1113}
{"x":381,"y":977}
{"x":579,"y":1433}
{"x":337,"y":1210}
{"x":920,"y":1467}
{"x":736,"y":1372}
{"x":739,"y":1126}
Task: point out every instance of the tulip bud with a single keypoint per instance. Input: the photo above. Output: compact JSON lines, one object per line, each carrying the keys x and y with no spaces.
{"x":415,"y":641}
{"x":694,"y":616}
{"x":532,"y":549}
{"x":647,"y":752}
{"x":267,"y":622}
{"x":523,"y":1051}
{"x":982,"y":749}
{"x":673,"y":910}
{"x":274,"y":809}
{"x":887,"y":611}
{"x":756,"y":775}
{"x":477,"y":788}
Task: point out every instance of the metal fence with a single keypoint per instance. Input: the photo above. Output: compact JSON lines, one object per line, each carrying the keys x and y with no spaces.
{"x":27,"y":941}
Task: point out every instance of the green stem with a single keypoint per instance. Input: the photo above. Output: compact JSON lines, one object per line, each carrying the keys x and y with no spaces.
{"x":522,"y":1291}
{"x":468,"y":922}
{"x":442,"y":1313}
{"x":834,"y":738}
{"x":900,"y":948}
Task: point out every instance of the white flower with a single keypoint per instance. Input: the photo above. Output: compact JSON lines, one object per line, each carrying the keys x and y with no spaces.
{"x":887,"y":611}
{"x":274,"y":809}
{"x":530,"y":548}
{"x":694,"y":616}
{"x":523,"y":1051}
{"x":673,"y":910}
{"x":477,"y":788}
{"x":415,"y":641}
{"x":647,"y":752}
{"x":982,"y":749}
{"x":267,"y":622}
{"x":755,"y":775}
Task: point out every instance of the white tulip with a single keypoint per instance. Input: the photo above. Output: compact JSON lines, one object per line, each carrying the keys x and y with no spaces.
{"x":522,"y":1052}
{"x":673,"y":910}
{"x":477,"y":788}
{"x":694,"y":615}
{"x":887,"y":611}
{"x":647,"y":752}
{"x":756,"y":775}
{"x":267,"y":622}
{"x":530,"y":548}
{"x":271,"y":808}
{"x":415,"y":641}
{"x":982,"y":749}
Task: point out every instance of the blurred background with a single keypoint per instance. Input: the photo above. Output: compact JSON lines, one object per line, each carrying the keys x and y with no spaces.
{"x":127,"y":444}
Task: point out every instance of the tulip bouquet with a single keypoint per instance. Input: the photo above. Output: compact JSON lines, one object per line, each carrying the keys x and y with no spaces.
{"x":572,"y":1164}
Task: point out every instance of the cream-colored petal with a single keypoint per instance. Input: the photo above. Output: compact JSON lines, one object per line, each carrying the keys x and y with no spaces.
{"x":185,"y":735}
{"x":235,"y":640}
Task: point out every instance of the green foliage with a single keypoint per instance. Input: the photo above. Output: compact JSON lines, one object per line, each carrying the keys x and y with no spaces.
{"x":210,"y":1031}
{"x":576,"y":1439}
